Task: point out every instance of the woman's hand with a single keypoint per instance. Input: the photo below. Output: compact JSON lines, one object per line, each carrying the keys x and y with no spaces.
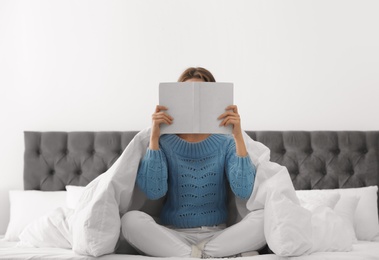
{"x":159,"y":117}
{"x":231,"y":117}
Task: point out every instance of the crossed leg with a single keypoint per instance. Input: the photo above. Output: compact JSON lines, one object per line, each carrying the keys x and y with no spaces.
{"x":142,"y":232}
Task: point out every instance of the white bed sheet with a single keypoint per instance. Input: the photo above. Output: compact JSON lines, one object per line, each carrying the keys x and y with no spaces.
{"x":8,"y":250}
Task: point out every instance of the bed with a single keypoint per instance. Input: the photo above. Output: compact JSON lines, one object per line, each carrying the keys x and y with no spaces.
{"x":315,"y":160}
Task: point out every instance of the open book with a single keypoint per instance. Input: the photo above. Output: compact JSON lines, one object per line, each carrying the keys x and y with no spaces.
{"x":195,"y":106}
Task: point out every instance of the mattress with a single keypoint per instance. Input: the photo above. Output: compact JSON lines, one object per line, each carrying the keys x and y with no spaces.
{"x":10,"y":251}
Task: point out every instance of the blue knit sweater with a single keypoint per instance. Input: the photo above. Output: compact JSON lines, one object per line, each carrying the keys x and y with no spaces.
{"x":194,"y":176}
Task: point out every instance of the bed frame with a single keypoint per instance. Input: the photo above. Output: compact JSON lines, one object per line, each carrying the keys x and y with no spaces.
{"x":315,"y":159}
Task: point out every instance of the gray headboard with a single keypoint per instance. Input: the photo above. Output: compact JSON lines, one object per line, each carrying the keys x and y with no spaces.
{"x":315,"y":159}
{"x":53,"y":160}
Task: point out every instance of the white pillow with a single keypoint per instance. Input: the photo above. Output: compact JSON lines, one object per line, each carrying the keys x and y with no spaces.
{"x":311,"y":200}
{"x":330,"y":232}
{"x":346,"y":208}
{"x":50,"y":230}
{"x":293,"y":230}
{"x":27,"y":206}
{"x":73,"y":195}
{"x":366,"y":224}
{"x":287,"y":225}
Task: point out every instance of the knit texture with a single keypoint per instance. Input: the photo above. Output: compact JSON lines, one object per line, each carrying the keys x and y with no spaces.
{"x":194,"y":176}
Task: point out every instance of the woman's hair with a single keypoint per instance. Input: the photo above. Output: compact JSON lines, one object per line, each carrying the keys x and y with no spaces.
{"x":197,"y":73}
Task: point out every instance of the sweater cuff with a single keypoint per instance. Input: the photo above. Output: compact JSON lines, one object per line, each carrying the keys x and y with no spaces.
{"x":247,"y":155}
{"x":153,"y":154}
{"x":244,"y":160}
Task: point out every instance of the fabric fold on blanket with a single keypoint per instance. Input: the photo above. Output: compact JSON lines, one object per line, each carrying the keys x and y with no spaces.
{"x":96,"y":226}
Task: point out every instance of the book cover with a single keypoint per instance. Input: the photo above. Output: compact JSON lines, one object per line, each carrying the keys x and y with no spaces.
{"x":195,"y":106}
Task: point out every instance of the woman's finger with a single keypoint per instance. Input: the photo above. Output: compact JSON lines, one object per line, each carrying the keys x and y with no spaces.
{"x":234,"y":119}
{"x":234,"y":122}
{"x":234,"y":108}
{"x":228,"y":113}
{"x":231,"y":122}
{"x":162,"y":119}
{"x":158,"y":108}
{"x":163,"y":114}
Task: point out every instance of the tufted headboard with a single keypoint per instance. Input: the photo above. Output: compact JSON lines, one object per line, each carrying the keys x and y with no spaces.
{"x":315,"y":159}
{"x":53,"y":160}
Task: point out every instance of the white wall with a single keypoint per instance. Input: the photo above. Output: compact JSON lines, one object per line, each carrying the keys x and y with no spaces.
{"x":96,"y":65}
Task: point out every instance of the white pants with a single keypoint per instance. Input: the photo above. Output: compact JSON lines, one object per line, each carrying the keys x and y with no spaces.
{"x":143,"y":233}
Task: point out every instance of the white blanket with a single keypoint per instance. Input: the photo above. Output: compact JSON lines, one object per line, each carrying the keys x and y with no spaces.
{"x":290,"y":230}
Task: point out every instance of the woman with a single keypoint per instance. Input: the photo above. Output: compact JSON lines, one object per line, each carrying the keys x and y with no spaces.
{"x":193,"y":171}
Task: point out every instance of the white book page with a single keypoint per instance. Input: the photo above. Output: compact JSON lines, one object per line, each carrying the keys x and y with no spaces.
{"x":214,"y":98}
{"x":179,"y":100}
{"x":195,"y":106}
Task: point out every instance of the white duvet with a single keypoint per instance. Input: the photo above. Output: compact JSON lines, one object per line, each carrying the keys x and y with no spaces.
{"x":93,"y":228}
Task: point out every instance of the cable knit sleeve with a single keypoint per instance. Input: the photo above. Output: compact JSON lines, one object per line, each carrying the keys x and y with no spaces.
{"x":152,"y":174}
{"x":240,"y":172}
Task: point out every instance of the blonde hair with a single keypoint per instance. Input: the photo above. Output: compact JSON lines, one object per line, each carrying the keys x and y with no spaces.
{"x":197,"y":73}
